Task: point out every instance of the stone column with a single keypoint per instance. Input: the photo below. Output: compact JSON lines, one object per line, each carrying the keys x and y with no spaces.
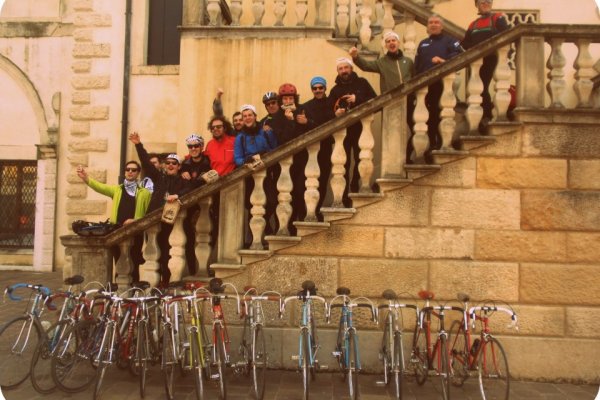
{"x":338,"y":159}
{"x":394,"y":139}
{"x":583,"y":65}
{"x":311,"y":195}
{"x":193,"y":12}
{"x":530,"y":72}
{"x":420,"y":139}
{"x":342,"y":18}
{"x":88,"y":257}
{"x":231,"y":224}
{"x":474,"y":89}
{"x":366,"y":144}
{"x":502,"y":84}
{"x":284,"y":198}
{"x":258,"y":199}
{"x":124,"y":265}
{"x":150,"y":270}
{"x":556,"y":75}
{"x":177,"y":241}
{"x":202,"y":248}
{"x":447,"y":103}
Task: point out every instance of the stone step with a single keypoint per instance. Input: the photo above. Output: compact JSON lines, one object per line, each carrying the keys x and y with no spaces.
{"x":416,"y":171}
{"x":471,"y":142}
{"x":310,"y":228}
{"x":446,"y":156}
{"x":364,"y":199}
{"x":282,"y":242}
{"x":392,"y":183}
{"x":252,"y":256}
{"x":225,"y":270}
{"x":334,"y":213}
{"x":503,"y":128}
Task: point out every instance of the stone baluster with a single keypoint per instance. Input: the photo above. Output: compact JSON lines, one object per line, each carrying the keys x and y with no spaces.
{"x":236,"y":12}
{"x":213,"y":9}
{"x":342,"y":18}
{"x":556,"y":62}
{"x":366,"y":142}
{"x":474,"y":88}
{"x":124,"y":265}
{"x":410,"y":36}
{"x":338,"y":160}
{"x":420,"y":139}
{"x":311,"y":195}
{"x":204,"y":226}
{"x":323,"y":17}
{"x":583,"y":65}
{"x":394,"y":139}
{"x":258,"y":11}
{"x":279,"y":10}
{"x":150,"y":270}
{"x":365,"y":32}
{"x":258,"y":199}
{"x":379,"y":13}
{"x":284,"y":198}
{"x":447,"y":103}
{"x":357,"y":20}
{"x":502,"y":84}
{"x":301,"y":12}
{"x":388,"y":22}
{"x":177,"y":241}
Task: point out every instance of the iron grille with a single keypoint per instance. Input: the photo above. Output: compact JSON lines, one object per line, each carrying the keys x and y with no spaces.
{"x":18,"y":181}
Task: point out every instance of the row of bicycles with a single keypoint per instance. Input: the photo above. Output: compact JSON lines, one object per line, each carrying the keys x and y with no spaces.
{"x":183,"y":330}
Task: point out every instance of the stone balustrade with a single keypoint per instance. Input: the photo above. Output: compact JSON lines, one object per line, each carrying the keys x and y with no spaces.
{"x":540,"y":84}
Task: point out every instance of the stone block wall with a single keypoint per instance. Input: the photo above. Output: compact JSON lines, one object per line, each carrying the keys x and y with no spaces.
{"x":517,"y":221}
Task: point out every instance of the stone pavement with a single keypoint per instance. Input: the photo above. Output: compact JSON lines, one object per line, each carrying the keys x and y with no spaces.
{"x":281,"y":385}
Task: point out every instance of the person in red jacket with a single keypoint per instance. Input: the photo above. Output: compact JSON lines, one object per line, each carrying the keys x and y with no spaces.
{"x":220,"y":148}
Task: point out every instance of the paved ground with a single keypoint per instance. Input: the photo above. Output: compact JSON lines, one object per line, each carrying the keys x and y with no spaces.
{"x":281,"y":385}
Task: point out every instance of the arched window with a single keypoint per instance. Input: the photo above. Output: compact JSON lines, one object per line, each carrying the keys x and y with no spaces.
{"x":163,"y":36}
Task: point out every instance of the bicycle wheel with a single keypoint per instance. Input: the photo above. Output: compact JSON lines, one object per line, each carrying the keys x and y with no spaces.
{"x":197,"y":364}
{"x":220,"y":361}
{"x":141,"y":356}
{"x":40,"y":371}
{"x":313,"y":347}
{"x":494,"y":377}
{"x":444,"y":371}
{"x":341,"y":352}
{"x":398,"y":364}
{"x":459,"y":356}
{"x":259,"y":362}
{"x":385,"y":353}
{"x":419,"y":360}
{"x":353,"y":365}
{"x":305,"y":361}
{"x":71,"y":364}
{"x":104,"y":359}
{"x":19,"y":339}
{"x":245,"y":349}
{"x":169,"y":360}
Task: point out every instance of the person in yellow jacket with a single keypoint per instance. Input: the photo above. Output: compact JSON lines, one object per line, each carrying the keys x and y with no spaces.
{"x":130,"y":202}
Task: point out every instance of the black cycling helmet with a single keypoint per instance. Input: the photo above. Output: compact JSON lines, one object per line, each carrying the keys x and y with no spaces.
{"x":269,"y":96}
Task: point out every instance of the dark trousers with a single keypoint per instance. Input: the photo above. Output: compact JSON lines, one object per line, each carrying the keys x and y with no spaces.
{"x":297,"y":173}
{"x":352,"y":154}
{"x":432,"y":102}
{"x":486,"y":73}
{"x":189,"y":227}
{"x":163,"y":244}
{"x":324,"y":160}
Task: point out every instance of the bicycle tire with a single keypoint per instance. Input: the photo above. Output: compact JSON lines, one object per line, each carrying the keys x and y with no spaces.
{"x":40,"y":370}
{"x":444,"y":372}
{"x":340,"y":351}
{"x":398,"y":364}
{"x":493,"y":372}
{"x":419,"y":361}
{"x":259,"y":362}
{"x":71,"y":365}
{"x":197,"y":365}
{"x":103,"y":360}
{"x":207,"y":353}
{"x":353,"y":365}
{"x":385,"y":352}
{"x":313,"y":347}
{"x":245,"y":349}
{"x":168,"y":362}
{"x":19,"y":339}
{"x":142,"y":356}
{"x":220,"y":360}
{"x":459,"y":356}
{"x":305,"y":362}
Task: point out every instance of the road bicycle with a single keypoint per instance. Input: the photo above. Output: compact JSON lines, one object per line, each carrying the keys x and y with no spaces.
{"x":73,"y":308}
{"x":428,"y":355}
{"x":391,"y":352}
{"x":347,"y":349}
{"x":484,"y":354}
{"x":20,"y":337}
{"x":308,"y":343}
{"x":253,"y":348}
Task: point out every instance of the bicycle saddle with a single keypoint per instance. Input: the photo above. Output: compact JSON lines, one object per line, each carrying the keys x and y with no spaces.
{"x":426,"y":295}
{"x":309,"y":287}
{"x":216,"y":285}
{"x":74,"y":280}
{"x":343,"y":290}
{"x":463,"y":297}
{"x":389,"y":294}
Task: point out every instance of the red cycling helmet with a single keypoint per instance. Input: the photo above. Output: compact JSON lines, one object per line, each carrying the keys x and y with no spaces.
{"x":287,"y":89}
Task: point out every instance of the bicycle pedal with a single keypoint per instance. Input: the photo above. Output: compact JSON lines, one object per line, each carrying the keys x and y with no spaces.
{"x":380,"y":383}
{"x":295,"y":357}
{"x":322,"y":367}
{"x":336,"y":353}
{"x":214,"y":377}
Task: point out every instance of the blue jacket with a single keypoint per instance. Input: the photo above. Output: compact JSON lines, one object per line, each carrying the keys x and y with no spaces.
{"x":435,"y":45}
{"x":252,"y":141}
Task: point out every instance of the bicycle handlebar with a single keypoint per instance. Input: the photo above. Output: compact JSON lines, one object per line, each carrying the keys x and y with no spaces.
{"x":303,"y":298}
{"x":351,"y":303}
{"x":487,"y":309}
{"x":39,"y":288}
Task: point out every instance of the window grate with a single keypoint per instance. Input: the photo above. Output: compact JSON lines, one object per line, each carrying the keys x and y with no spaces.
{"x":18,"y":180}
